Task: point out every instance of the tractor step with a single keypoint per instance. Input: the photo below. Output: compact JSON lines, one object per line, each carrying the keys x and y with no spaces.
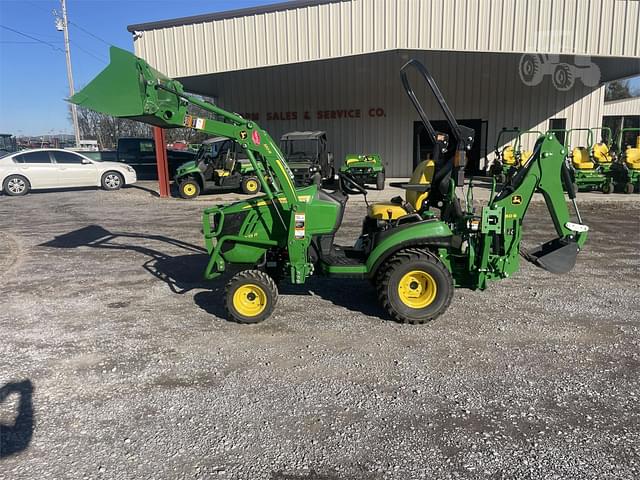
{"x":556,"y":256}
{"x":344,"y":256}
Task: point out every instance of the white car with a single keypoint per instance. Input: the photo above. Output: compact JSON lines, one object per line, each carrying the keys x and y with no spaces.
{"x":28,"y":170}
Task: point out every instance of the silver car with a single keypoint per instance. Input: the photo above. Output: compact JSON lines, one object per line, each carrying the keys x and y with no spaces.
{"x":44,"y":168}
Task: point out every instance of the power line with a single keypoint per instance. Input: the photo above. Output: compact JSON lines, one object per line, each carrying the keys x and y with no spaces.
{"x":38,"y":40}
{"x":88,"y":52}
{"x":89,"y":33}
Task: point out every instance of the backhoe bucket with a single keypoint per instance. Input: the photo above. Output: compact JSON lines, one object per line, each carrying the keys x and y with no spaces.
{"x":127,"y":88}
{"x":556,"y":256}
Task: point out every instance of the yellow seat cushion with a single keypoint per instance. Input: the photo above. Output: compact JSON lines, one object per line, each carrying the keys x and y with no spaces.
{"x":580,"y":159}
{"x":632,"y":158}
{"x":422,"y":175}
{"x":222,"y":173}
{"x":508,"y":155}
{"x":386,"y":211}
{"x":526,"y":155}
{"x":601,"y":153}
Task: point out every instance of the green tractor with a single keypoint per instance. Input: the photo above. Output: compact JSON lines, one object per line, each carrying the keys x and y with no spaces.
{"x":415,"y":250}
{"x":364,"y":169}
{"x":586,"y":173}
{"x":220,"y":165}
{"x":625,"y":171}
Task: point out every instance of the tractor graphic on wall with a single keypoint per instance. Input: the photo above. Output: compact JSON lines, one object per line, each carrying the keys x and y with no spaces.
{"x":534,"y":67}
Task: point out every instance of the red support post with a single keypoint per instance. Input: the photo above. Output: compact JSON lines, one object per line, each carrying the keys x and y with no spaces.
{"x":161,"y":161}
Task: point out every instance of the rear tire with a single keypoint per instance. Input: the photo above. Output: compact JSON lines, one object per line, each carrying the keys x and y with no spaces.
{"x":250,"y":185}
{"x":629,"y":188}
{"x":189,"y":189}
{"x":250,"y":296}
{"x":16,"y":186}
{"x":112,"y":181}
{"x":414,"y":287}
{"x":380,"y":181}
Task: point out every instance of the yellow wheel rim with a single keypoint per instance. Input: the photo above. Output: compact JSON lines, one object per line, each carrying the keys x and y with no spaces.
{"x":189,"y":189}
{"x":249,"y":300}
{"x":252,"y":185}
{"x":417,"y":289}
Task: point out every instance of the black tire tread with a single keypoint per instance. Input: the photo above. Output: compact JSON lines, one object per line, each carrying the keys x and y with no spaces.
{"x":384,"y":277}
{"x":255,"y":276}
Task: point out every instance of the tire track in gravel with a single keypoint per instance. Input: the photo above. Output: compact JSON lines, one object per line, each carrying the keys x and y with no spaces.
{"x":10,"y":254}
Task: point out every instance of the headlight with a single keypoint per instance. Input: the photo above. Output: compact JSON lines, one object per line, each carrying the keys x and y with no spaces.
{"x":130,"y":169}
{"x":313,"y":169}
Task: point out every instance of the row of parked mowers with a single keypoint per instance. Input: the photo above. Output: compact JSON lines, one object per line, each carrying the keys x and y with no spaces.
{"x":222,"y":165}
{"x":604,"y":166}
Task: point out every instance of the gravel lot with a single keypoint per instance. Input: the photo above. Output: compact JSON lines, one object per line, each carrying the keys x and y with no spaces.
{"x":116,"y":361}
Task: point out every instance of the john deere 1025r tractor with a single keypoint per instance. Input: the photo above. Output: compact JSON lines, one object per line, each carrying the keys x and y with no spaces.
{"x":415,"y":250}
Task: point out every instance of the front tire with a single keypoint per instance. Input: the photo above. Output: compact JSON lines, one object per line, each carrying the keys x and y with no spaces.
{"x":250,"y":185}
{"x":415,"y":287}
{"x":189,"y":189}
{"x":607,"y":188}
{"x":16,"y":186}
{"x":380,"y":181}
{"x":629,"y":188}
{"x":250,"y":296}
{"x":112,"y":181}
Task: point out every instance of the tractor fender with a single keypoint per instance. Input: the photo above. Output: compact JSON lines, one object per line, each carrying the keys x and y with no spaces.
{"x":428,"y":233}
{"x":192,"y":172}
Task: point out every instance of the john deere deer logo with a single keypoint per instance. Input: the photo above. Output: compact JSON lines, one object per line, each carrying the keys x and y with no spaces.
{"x":243,"y":134}
{"x":516,"y":200}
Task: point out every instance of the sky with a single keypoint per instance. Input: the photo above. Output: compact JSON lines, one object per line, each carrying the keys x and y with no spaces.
{"x":33,"y":75}
{"x":33,"y":78}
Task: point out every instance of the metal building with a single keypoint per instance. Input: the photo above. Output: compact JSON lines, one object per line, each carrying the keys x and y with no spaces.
{"x":334,"y":65}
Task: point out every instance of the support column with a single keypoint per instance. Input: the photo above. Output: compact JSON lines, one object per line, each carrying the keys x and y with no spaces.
{"x":161,"y":161}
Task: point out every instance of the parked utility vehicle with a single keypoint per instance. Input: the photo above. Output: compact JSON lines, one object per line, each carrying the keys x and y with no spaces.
{"x":364,"y":169}
{"x":220,"y":165}
{"x":308,"y":157}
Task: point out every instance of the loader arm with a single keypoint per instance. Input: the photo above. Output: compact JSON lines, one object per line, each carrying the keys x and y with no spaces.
{"x":130,"y":88}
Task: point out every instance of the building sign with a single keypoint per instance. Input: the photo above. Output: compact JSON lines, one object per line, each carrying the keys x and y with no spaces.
{"x":338,"y":114}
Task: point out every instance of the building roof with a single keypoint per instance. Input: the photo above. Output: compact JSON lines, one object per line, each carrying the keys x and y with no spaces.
{"x":227,"y":14}
{"x":311,"y":30}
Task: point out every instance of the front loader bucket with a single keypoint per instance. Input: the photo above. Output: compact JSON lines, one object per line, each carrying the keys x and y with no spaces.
{"x":556,"y":256}
{"x":127,"y":88}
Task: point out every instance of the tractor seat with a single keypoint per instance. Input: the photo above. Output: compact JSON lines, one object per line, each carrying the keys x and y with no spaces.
{"x":632,"y":158}
{"x":524,"y":158}
{"x":396,"y":208}
{"x":580,"y":159}
{"x":601,"y":153}
{"x":509,"y":155}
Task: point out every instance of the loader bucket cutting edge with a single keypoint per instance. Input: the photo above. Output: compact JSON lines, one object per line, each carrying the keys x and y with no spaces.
{"x":556,"y":256}
{"x":121,"y":90}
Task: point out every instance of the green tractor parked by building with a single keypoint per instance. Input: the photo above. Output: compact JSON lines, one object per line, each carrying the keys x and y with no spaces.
{"x":220,"y":165}
{"x":625,"y":171}
{"x":364,"y":169}
{"x":415,"y":253}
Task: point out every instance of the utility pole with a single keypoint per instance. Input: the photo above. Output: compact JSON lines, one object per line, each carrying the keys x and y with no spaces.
{"x":63,"y":25}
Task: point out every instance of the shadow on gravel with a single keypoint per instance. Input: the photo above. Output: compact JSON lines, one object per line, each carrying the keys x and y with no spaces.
{"x":16,"y":437}
{"x":183,"y":273}
{"x":312,"y":475}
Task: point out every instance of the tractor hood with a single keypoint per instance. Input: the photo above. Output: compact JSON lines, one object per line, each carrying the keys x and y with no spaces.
{"x":186,"y":167}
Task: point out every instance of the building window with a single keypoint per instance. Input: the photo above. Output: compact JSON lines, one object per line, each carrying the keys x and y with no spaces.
{"x":559,"y":128}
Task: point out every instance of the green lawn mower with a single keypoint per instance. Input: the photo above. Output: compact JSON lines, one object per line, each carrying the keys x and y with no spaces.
{"x":510,"y":157}
{"x":220,"y":165}
{"x":625,"y":171}
{"x":415,"y":250}
{"x":364,"y":169}
{"x":586,"y":172}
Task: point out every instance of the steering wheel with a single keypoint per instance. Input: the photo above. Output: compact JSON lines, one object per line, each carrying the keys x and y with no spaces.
{"x":349,"y":186}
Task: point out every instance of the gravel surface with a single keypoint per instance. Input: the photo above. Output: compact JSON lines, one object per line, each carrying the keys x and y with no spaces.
{"x":116,"y":360}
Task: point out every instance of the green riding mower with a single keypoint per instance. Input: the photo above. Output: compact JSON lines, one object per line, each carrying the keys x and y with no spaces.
{"x":510,"y":157}
{"x":220,"y":165}
{"x":586,"y":172}
{"x":415,"y":250}
{"x":625,"y":170}
{"x":364,"y":169}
